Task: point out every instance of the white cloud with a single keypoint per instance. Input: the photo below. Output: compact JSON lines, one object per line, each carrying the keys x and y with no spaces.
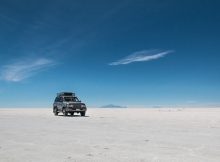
{"x":145,"y":55}
{"x":24,"y":68}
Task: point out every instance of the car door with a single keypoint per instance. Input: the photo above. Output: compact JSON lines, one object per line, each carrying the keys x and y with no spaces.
{"x":60,"y":103}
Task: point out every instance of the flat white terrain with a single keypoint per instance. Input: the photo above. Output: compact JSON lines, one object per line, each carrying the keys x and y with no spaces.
{"x":110,"y":135}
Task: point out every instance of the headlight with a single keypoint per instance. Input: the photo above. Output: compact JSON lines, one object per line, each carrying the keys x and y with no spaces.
{"x":83,"y":105}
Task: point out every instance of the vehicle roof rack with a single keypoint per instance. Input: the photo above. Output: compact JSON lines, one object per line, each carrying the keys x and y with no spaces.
{"x":66,"y":94}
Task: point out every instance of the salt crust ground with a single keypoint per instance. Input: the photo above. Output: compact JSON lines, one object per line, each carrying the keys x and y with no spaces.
{"x":111,"y":135}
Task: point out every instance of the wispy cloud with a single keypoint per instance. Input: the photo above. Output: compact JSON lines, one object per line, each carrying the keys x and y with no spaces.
{"x":24,"y":68}
{"x":140,"y":56}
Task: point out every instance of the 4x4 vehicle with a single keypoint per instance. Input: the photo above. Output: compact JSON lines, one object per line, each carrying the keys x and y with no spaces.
{"x":68,"y":103}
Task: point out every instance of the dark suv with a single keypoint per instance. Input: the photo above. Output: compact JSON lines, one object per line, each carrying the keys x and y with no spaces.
{"x":68,"y":103}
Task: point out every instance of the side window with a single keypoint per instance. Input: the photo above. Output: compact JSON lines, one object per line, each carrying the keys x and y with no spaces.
{"x":59,"y":99}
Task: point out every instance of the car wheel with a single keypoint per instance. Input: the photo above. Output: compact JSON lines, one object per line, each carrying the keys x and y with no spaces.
{"x":83,"y":113}
{"x":72,"y":114}
{"x":65,"y":113}
{"x":55,"y":111}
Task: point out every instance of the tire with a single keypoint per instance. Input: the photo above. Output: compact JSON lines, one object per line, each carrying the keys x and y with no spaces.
{"x":55,"y":111}
{"x":64,"y":112}
{"x":83,"y":113}
{"x":71,"y":114}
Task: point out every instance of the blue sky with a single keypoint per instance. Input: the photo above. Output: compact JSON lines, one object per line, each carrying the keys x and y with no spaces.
{"x":139,"y":53}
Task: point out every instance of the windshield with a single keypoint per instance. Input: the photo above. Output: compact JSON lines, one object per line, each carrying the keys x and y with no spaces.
{"x":69,"y":99}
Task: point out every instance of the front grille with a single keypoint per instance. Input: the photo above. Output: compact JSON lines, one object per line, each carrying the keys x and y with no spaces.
{"x":74,"y":107}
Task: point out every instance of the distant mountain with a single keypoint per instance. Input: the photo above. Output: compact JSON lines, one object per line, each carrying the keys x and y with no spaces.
{"x":157,"y":106}
{"x":112,"y":106}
